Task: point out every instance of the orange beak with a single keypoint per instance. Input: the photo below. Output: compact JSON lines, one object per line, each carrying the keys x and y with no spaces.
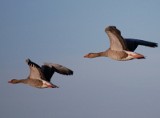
{"x":86,"y":56}
{"x":9,"y":82}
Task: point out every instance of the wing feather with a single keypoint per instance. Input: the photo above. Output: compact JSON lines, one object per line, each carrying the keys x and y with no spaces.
{"x":35,"y":70}
{"x":132,"y":44}
{"x":116,"y":40}
{"x":60,"y":69}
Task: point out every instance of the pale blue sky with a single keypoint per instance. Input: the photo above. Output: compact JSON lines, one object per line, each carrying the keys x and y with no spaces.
{"x":63,"y":31}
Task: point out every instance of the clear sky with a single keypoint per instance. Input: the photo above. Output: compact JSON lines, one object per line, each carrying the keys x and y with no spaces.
{"x":63,"y":31}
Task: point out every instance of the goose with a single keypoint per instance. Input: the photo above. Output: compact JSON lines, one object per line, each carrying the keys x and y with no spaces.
{"x":121,"y":49}
{"x":40,"y":77}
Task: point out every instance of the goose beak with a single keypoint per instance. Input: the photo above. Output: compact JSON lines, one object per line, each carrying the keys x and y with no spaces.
{"x":86,"y":56}
{"x":9,"y":81}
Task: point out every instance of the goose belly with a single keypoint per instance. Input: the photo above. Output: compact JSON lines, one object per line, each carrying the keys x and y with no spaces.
{"x":118,"y":55}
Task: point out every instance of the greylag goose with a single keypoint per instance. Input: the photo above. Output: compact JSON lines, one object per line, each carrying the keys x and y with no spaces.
{"x":40,"y":77}
{"x":121,"y":48}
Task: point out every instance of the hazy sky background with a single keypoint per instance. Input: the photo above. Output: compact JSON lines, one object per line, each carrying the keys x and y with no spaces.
{"x":63,"y":31}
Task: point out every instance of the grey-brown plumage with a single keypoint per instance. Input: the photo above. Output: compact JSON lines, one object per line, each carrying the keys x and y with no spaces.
{"x":40,"y":77}
{"x":121,"y":48}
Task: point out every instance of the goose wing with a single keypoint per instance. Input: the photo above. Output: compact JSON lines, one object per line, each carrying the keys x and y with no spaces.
{"x":132,"y":44}
{"x":116,"y":40}
{"x":49,"y":69}
{"x":35,"y":70}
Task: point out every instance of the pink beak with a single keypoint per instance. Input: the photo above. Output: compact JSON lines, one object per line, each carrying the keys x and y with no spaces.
{"x":9,"y":82}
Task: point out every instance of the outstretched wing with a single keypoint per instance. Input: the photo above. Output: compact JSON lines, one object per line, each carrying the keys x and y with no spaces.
{"x":116,"y":40}
{"x":132,"y":44}
{"x":47,"y":72}
{"x":35,"y":70}
{"x":49,"y":69}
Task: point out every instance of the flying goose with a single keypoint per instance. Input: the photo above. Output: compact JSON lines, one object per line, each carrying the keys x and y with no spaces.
{"x":121,"y":48}
{"x":40,"y":77}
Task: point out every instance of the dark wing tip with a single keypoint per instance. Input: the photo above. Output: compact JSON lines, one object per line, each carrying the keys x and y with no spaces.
{"x":153,"y":45}
{"x":30,"y":63}
{"x":61,"y":69}
{"x":70,"y":72}
{"x":156,"y":45}
{"x":28,"y":60}
{"x":109,"y":28}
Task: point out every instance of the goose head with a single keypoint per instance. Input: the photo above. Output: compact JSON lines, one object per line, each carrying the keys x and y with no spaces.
{"x":90,"y":55}
{"x":14,"y":81}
